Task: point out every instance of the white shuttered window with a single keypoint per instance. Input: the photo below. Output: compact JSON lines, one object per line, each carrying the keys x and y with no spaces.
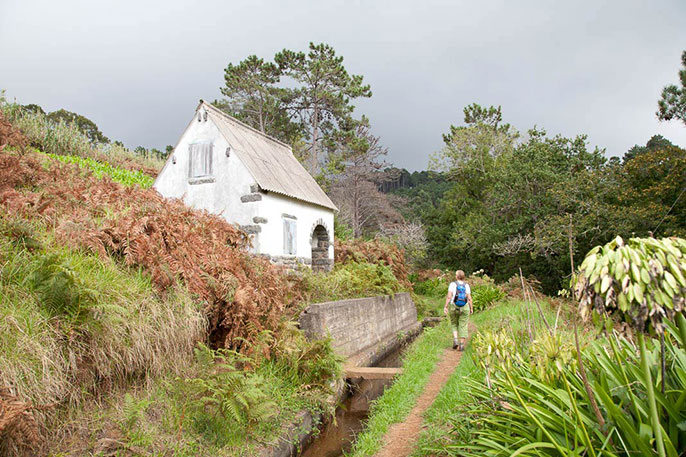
{"x":200,"y":160}
{"x":289,"y":233}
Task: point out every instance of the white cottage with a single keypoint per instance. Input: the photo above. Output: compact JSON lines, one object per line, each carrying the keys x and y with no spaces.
{"x":228,"y":168}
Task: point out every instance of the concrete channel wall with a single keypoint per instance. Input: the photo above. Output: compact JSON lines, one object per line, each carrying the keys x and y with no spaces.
{"x":364,"y":330}
{"x":359,"y":324}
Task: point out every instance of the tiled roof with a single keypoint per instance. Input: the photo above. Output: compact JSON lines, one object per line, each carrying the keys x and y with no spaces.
{"x":270,"y":161}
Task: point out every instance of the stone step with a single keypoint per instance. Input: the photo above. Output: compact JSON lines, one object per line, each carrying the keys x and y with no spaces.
{"x":372,"y":372}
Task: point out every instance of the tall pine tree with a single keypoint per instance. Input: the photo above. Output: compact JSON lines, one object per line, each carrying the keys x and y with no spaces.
{"x":323,"y":95}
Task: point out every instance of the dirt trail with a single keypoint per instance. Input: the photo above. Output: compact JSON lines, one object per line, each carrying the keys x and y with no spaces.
{"x":400,"y":438}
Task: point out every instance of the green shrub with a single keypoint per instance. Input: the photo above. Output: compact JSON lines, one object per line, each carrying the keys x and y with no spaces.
{"x":341,"y":230}
{"x":312,"y":363}
{"x":434,"y":287}
{"x":484,"y":295}
{"x":375,"y":252}
{"x":222,"y":397}
{"x":59,"y":289}
{"x":350,"y":280}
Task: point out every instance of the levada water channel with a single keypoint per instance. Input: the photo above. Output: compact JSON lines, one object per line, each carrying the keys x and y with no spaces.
{"x":338,"y":436}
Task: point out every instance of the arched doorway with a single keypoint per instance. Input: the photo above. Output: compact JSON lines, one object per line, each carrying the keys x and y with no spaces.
{"x":320,"y":249}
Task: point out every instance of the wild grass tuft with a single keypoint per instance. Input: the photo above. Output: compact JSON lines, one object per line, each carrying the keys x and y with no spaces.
{"x":66,"y":139}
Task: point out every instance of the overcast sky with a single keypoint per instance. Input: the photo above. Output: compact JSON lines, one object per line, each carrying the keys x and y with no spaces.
{"x":138,"y":68}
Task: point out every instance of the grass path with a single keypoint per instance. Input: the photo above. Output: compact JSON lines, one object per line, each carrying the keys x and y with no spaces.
{"x":421,"y":422}
{"x":401,"y":437}
{"x":442,"y":391}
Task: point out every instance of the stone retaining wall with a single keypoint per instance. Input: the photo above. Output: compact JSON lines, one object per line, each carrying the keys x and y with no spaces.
{"x":359,"y":324}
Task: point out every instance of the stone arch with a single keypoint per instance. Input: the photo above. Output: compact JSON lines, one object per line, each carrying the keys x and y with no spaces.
{"x":320,"y":239}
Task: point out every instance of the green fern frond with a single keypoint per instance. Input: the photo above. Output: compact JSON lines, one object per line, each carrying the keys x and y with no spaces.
{"x":134,"y":411}
{"x":59,"y":288}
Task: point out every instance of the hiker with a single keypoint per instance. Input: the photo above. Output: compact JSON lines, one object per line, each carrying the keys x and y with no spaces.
{"x":458,"y":306}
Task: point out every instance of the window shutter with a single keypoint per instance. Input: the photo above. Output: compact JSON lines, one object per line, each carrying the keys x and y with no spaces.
{"x":200,"y":159}
{"x":190,"y":160}
{"x":293,"y":238}
{"x":285,"y":236}
{"x":202,"y":169}
{"x":289,"y":236}
{"x":210,"y":154}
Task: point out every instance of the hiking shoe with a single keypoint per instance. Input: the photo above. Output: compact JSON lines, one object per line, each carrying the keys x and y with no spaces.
{"x":455,"y":345}
{"x":460,"y":347}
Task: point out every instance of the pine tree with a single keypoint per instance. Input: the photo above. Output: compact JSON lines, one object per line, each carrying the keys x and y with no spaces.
{"x":672,"y":105}
{"x":322,"y":100}
{"x":253,"y":97}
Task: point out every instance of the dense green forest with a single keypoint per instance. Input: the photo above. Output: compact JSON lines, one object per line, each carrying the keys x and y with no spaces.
{"x":499,"y":200}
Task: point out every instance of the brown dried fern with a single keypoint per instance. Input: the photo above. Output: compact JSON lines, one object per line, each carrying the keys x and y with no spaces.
{"x":19,"y":431}
{"x":165,"y":237}
{"x":11,"y":136}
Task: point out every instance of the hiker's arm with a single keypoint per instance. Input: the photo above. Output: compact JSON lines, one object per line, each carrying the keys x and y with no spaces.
{"x":469,"y":300}
{"x":448,"y":299}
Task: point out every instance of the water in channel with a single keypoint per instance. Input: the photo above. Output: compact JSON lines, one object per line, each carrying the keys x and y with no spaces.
{"x":337,"y":437}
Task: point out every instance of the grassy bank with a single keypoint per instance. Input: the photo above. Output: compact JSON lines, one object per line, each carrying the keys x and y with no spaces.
{"x":111,"y":295}
{"x":397,"y":401}
{"x":72,"y":323}
{"x":104,"y":357}
{"x":214,"y":407}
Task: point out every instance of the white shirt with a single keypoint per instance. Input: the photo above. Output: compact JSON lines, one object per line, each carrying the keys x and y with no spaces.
{"x":453,"y":287}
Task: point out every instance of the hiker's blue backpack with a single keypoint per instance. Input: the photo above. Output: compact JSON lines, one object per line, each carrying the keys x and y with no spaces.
{"x":460,"y":298}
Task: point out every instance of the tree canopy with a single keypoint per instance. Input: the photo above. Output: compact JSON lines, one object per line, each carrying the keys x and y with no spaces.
{"x":253,"y":97}
{"x":514,"y":203}
{"x":323,"y":99}
{"x":85,"y":125}
{"x":672,"y":104}
{"x":312,"y":109}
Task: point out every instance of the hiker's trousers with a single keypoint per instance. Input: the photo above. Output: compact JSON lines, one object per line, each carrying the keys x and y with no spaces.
{"x":459,"y":317}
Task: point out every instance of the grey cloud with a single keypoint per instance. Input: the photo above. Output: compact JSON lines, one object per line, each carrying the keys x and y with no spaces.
{"x":138,"y":68}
